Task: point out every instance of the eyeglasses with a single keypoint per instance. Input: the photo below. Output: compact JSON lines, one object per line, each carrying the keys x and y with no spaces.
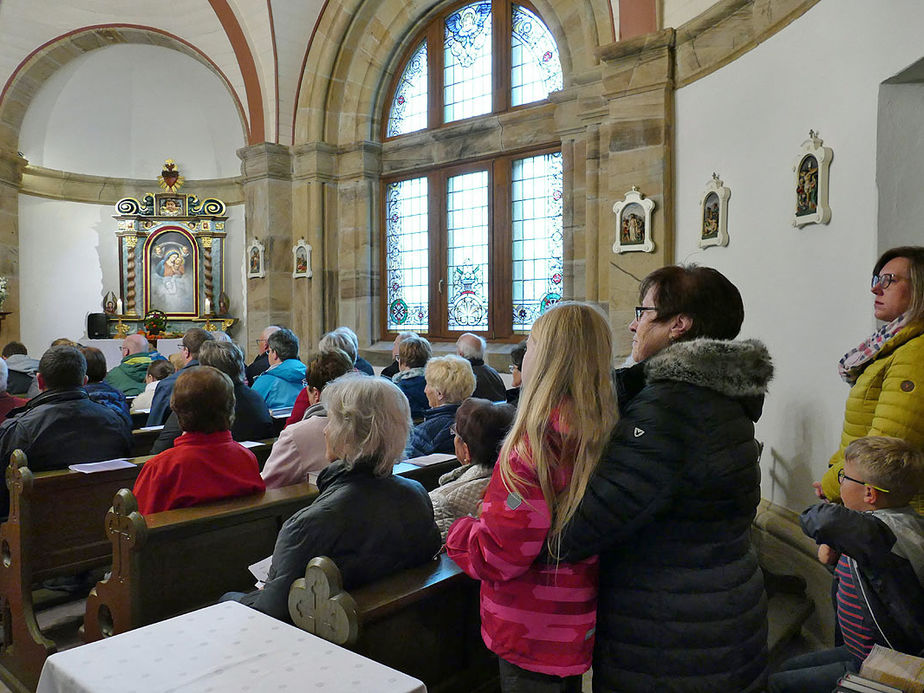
{"x":640,"y":310}
{"x":512,"y":367}
{"x":453,"y":431}
{"x":884,"y":281}
{"x":841,"y":475}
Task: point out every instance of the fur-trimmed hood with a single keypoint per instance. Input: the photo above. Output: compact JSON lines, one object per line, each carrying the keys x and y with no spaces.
{"x":733,"y":368}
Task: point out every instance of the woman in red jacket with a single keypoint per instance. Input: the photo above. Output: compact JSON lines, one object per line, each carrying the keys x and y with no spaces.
{"x":539,"y":617}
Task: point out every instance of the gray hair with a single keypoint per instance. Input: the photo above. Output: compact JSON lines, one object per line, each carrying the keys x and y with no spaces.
{"x":4,"y":375}
{"x":471,"y":346}
{"x":226,"y":357}
{"x":342,"y":338}
{"x":367,"y":419}
{"x":284,"y":343}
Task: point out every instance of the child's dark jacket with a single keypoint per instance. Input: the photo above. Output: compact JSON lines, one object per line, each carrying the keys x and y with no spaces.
{"x":886,"y":558}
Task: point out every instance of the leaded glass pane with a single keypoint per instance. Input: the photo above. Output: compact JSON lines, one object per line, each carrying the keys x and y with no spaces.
{"x":409,"y":107}
{"x":407,"y":255}
{"x":467,"y":62}
{"x":535,"y":65}
{"x":467,"y":210}
{"x":537,"y":237}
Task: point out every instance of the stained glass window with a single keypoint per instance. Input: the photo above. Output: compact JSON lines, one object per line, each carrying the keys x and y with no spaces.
{"x":406,"y":255}
{"x":467,"y":86}
{"x":535,"y":68}
{"x":537,"y":237}
{"x":467,"y":227}
{"x":409,"y":107}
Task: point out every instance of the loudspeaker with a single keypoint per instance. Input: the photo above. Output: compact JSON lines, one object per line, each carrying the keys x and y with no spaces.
{"x":97,"y":326}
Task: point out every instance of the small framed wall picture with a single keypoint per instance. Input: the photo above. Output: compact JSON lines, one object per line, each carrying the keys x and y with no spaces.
{"x":811,"y":173}
{"x":301,"y":259}
{"x":633,"y":223}
{"x":713,"y":214}
{"x":256,"y":267}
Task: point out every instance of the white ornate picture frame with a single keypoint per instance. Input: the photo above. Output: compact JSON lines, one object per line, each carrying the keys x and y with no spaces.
{"x":713,"y":214}
{"x":633,"y":223}
{"x":256,"y":266}
{"x":810,"y":182}
{"x":301,"y":259}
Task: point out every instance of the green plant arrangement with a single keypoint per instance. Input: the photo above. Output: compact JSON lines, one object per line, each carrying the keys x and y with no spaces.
{"x":155,"y":322}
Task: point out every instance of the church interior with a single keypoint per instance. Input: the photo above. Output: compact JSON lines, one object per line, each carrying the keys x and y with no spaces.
{"x":285,"y":112}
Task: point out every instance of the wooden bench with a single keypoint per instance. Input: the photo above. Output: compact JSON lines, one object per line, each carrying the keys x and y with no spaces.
{"x":55,"y":527}
{"x":167,"y":563}
{"x":423,"y":621}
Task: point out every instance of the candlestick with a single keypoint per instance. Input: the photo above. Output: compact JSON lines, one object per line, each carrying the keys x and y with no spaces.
{"x":208,"y":307}
{"x":119,"y":306}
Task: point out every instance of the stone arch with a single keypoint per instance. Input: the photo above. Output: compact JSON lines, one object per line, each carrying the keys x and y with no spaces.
{"x":342,"y":89}
{"x":32,"y":72}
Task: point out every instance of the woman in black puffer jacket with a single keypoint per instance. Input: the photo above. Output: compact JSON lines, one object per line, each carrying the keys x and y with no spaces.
{"x":682,"y":605}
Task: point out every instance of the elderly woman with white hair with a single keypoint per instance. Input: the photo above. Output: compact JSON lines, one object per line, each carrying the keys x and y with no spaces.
{"x":370,"y":522}
{"x":345,"y":339}
{"x":450,"y":380}
{"x":7,"y":401}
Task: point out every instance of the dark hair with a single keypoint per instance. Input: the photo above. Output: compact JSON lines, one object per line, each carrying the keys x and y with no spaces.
{"x":483,"y":425}
{"x":226,"y":357}
{"x":62,"y":366}
{"x":194,"y":338}
{"x":160,"y":369}
{"x":915,"y":256}
{"x":326,"y":366}
{"x":13,"y":348}
{"x":96,"y":364}
{"x":284,"y":343}
{"x":203,"y":399}
{"x":517,"y":354}
{"x":414,"y":352}
{"x":704,"y":294}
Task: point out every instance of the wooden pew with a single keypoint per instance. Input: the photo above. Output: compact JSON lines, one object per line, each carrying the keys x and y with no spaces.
{"x":167,"y":563}
{"x":423,"y":621}
{"x":55,"y":528}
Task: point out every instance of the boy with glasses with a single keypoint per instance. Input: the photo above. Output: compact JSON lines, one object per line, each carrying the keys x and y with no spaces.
{"x":875,"y":540}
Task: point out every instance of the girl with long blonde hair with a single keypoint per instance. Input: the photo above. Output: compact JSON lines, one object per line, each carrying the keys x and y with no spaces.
{"x":538,"y":616}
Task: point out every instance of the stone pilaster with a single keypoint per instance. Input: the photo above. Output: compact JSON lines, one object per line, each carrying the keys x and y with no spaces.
{"x":266,"y":174}
{"x":11,"y":168}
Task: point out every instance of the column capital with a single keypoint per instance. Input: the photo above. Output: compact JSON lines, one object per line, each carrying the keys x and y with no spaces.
{"x":12,"y":165}
{"x":265,"y":160}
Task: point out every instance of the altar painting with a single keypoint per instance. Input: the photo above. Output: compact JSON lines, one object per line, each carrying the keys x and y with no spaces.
{"x":171,"y":264}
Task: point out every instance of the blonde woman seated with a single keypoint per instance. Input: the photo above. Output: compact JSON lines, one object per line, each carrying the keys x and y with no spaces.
{"x":300,"y":448}
{"x":369,"y":521}
{"x":450,"y":380}
{"x":478,"y":433}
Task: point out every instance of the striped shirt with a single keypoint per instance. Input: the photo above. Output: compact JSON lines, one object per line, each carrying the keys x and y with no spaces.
{"x":858,"y":636}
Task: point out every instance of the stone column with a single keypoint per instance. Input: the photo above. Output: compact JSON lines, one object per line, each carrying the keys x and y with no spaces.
{"x":11,"y":170}
{"x":267,"y":183}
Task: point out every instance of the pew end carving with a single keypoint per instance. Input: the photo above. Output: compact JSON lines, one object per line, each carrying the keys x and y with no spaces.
{"x":435,"y":601}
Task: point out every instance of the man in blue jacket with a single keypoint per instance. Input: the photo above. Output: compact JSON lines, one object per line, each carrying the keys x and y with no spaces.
{"x":280,"y":384}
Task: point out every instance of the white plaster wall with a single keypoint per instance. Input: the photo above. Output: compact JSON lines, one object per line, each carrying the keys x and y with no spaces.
{"x":806,"y":291}
{"x":121,"y":111}
{"x":68,"y":262}
{"x":677,"y":12}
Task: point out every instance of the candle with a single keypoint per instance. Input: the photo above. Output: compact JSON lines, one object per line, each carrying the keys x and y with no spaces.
{"x":208,"y":307}
{"x":119,"y":306}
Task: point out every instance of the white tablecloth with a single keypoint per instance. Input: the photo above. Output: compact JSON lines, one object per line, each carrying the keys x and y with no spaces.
{"x":220,"y":649}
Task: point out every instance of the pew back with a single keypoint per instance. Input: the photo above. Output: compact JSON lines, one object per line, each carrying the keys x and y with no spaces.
{"x":174,"y":561}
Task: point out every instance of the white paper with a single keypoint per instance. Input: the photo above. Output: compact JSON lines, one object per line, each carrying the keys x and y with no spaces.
{"x":427,"y":460}
{"x":141,"y":411}
{"x":151,"y":428}
{"x":282,"y":413}
{"x":104,"y":466}
{"x":250,"y":443}
{"x":260,"y":570}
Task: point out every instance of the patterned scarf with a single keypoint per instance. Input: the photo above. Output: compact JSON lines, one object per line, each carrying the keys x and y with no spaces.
{"x":855,"y":361}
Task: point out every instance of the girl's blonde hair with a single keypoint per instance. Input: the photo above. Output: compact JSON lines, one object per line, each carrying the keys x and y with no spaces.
{"x":572,"y":373}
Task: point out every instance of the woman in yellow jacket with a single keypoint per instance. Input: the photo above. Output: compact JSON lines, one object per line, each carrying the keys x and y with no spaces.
{"x":886,"y":371}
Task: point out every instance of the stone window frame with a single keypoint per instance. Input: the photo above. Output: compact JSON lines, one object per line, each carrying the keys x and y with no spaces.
{"x":499,"y":162}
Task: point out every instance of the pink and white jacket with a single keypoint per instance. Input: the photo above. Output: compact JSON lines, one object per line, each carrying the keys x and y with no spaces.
{"x":538,"y":616}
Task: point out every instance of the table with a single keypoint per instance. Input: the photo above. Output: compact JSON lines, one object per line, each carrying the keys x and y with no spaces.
{"x":222,"y":648}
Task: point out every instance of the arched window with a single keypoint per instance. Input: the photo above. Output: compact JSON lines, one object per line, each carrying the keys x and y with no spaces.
{"x":475,"y":245}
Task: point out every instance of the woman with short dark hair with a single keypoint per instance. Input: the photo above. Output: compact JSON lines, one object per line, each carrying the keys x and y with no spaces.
{"x":883,"y":369}
{"x":478,"y":433}
{"x":669,"y":509}
{"x":101,"y":392}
